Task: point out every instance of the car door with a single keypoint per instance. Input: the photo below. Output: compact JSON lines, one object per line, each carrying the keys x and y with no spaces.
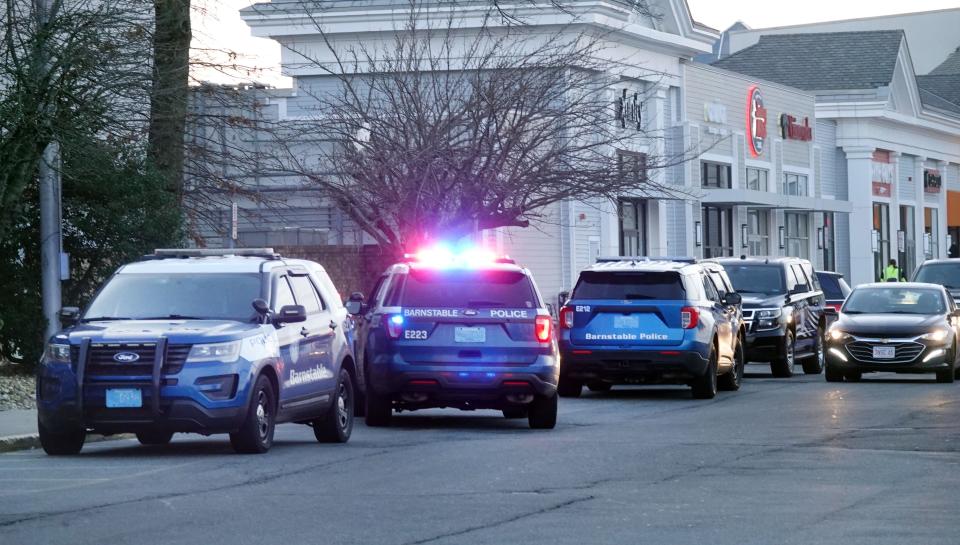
{"x":293,"y":344}
{"x":369,"y":319}
{"x":721,"y":318}
{"x":731,"y":312}
{"x":315,"y":370}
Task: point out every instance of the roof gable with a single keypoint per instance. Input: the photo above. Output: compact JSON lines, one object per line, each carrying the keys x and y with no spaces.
{"x":950,"y":66}
{"x":822,"y":61}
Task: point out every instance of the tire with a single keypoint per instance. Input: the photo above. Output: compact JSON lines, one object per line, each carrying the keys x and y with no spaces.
{"x":832,"y":374}
{"x":853,"y":376}
{"x":705,"y":387}
{"x":337,"y":424}
{"x":513,"y":413}
{"x":813,"y":365}
{"x":782,"y":367}
{"x":256,"y":433}
{"x":946,"y":377}
{"x":569,"y":387}
{"x":542,"y":412}
{"x":599,"y":386}
{"x":155,"y":438}
{"x":731,"y":381}
{"x":61,"y":443}
{"x":379,"y":410}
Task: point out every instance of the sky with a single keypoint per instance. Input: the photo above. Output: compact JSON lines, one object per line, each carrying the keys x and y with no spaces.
{"x":218,"y":27}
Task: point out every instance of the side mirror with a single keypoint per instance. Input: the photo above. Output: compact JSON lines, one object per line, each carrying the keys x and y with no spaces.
{"x":552,"y":310}
{"x":69,"y":315}
{"x":732,"y":298}
{"x":354,"y":307}
{"x":830,"y":311}
{"x":261,"y":307}
{"x":562,"y":298}
{"x":290,"y":314}
{"x":356,"y":296}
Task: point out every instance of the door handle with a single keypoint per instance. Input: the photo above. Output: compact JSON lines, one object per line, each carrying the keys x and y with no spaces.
{"x":304,"y":331}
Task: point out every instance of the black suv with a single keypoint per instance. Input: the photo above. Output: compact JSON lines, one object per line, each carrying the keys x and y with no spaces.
{"x":784,"y":311}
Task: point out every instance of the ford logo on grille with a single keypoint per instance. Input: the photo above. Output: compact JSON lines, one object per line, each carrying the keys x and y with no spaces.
{"x":126,"y":357}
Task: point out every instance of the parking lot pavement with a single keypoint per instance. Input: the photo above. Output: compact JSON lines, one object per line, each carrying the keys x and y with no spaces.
{"x":791,"y":461}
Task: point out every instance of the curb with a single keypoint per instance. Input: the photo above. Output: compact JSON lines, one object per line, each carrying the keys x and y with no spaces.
{"x":29,"y":441}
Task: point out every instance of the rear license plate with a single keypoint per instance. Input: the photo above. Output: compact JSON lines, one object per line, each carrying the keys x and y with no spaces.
{"x":884,"y":352}
{"x":470,"y":335}
{"x":626,"y":322}
{"x":124,"y":398}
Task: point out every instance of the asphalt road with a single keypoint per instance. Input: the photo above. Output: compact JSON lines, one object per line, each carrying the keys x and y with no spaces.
{"x":782,"y":461}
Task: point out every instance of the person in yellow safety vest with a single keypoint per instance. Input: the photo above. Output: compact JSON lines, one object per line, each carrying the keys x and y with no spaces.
{"x":891,"y":273}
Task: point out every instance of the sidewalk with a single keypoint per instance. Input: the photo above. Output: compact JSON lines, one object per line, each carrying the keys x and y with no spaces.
{"x":18,"y":429}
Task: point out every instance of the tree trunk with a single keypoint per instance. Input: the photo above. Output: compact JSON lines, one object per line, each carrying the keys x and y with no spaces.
{"x":168,"y":100}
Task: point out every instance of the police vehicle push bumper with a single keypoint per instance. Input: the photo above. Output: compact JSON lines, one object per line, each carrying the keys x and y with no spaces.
{"x":154,"y":389}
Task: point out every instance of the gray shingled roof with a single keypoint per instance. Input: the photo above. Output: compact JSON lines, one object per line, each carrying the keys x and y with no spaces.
{"x":821,"y":61}
{"x":949,"y":66}
{"x":940,"y":91}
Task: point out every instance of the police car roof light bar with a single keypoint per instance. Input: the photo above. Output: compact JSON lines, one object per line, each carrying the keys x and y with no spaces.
{"x":645,"y":259}
{"x":182,"y":253}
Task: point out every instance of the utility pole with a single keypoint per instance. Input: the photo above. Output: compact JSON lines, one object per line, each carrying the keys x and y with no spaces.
{"x":50,"y":234}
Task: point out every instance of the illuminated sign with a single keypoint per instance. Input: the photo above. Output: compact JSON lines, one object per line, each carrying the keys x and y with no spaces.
{"x":626,"y":110}
{"x":791,"y":130}
{"x":756,"y":121}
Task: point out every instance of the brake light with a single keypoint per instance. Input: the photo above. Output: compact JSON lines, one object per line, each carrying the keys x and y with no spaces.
{"x":393,"y":323}
{"x":689,"y":317}
{"x":835,"y":306}
{"x":543,"y":326}
{"x":566,"y":318}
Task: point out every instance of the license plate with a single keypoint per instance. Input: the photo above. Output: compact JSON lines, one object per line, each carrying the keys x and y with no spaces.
{"x":124,"y":398}
{"x":470,"y":335}
{"x":884,"y":352}
{"x":626,"y":322}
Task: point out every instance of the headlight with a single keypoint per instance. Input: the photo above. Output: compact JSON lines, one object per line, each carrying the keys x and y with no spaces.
{"x":769,"y":313}
{"x":937,"y":335}
{"x":223,"y":352}
{"x":58,"y":353}
{"x":836,"y":334}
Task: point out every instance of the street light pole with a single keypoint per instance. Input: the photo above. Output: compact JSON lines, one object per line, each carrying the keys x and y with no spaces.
{"x":50,"y":234}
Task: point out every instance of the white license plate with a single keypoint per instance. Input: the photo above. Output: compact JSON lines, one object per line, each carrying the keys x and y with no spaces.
{"x":626,"y":322}
{"x":884,"y":352}
{"x":124,"y":398}
{"x":470,"y":335}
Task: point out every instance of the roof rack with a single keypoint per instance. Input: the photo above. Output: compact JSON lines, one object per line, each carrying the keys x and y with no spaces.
{"x":183,"y":253}
{"x":645,"y":259}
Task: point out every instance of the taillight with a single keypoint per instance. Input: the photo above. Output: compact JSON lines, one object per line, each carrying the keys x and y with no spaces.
{"x":393,"y":323}
{"x":689,"y":317}
{"x":835,"y":306}
{"x":566,"y":318}
{"x":542,"y":326}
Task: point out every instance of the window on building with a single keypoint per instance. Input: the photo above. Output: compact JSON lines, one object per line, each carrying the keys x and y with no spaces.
{"x":907,"y":251}
{"x":797,"y":234}
{"x":758,"y":179}
{"x":795,"y":184}
{"x":829,"y":243}
{"x":714,"y":175}
{"x":931,"y":229}
{"x":881,"y":228}
{"x":633,"y":227}
{"x":632,"y":166}
{"x":758,"y":231}
{"x":717,"y":231}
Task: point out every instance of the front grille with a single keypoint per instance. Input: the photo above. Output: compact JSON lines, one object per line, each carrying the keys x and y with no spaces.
{"x":906,"y":351}
{"x":101,"y":362}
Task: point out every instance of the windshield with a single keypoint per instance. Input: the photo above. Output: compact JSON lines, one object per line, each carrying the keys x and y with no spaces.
{"x":945,"y":274}
{"x":159,"y":296}
{"x":758,"y":279}
{"x":895,"y":301}
{"x":468,"y":289}
{"x":626,"y":286}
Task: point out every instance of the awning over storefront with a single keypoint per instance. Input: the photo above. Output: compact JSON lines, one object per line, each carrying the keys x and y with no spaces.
{"x":763,"y":199}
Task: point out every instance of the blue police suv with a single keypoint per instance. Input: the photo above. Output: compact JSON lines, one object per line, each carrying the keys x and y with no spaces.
{"x":636,"y":321}
{"x":205,"y":341}
{"x":457,"y":329}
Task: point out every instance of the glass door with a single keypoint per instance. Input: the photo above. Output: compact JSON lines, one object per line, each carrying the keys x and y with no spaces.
{"x":881,"y":228}
{"x":717,"y":231}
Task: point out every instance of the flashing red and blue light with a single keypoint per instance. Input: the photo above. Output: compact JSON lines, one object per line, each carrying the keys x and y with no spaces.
{"x":445,"y":256}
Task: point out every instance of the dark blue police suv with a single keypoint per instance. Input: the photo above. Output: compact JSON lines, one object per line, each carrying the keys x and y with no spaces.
{"x":463,"y":330}
{"x":636,"y":321}
{"x":205,"y":341}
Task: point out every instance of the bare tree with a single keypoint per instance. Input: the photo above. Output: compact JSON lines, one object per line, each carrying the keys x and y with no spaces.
{"x":440,"y":133}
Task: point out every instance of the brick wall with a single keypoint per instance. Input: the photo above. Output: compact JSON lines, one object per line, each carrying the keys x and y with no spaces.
{"x":352,"y":268}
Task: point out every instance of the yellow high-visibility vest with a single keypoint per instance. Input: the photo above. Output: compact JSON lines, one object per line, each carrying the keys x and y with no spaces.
{"x":890,"y":274}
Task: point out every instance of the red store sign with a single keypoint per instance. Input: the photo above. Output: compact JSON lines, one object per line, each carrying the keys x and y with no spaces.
{"x":791,"y":130}
{"x":882,"y":173}
{"x":756,"y":121}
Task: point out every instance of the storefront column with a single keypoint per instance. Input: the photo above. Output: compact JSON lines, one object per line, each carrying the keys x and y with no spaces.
{"x":656,"y":228}
{"x":893,"y":224}
{"x":942,"y":210}
{"x":859,"y":181}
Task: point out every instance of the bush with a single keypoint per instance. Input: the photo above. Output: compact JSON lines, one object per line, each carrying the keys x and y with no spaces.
{"x":114,"y":210}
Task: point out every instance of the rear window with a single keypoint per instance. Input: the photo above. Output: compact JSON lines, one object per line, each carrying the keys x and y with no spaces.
{"x":833,"y":286}
{"x":758,"y":279}
{"x":629,"y":286}
{"x":467,"y":289}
